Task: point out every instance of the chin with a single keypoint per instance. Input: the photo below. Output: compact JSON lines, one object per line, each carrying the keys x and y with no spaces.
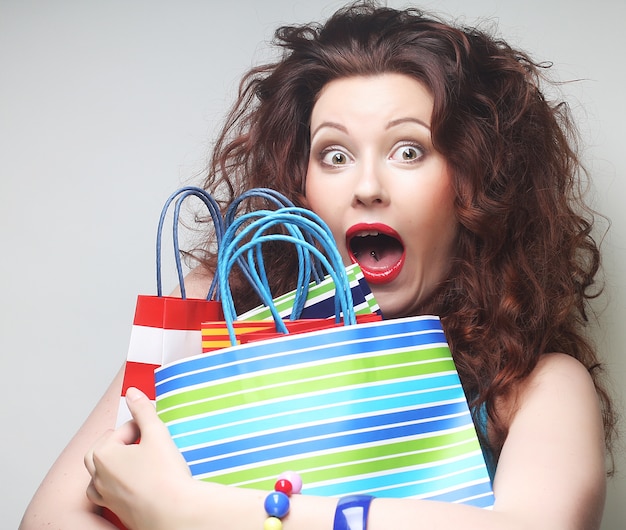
{"x":389,"y":308}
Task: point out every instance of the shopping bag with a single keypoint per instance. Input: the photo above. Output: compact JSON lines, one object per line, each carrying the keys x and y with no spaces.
{"x":167,"y":328}
{"x":374,"y":408}
{"x":319,"y":306}
{"x":320,"y":299}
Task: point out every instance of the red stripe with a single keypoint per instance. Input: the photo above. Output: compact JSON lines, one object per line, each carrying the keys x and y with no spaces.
{"x":141,"y":376}
{"x":305,"y":325}
{"x":175,"y":313}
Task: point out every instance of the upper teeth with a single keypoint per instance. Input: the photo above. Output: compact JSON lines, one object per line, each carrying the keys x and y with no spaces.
{"x":365,"y":234}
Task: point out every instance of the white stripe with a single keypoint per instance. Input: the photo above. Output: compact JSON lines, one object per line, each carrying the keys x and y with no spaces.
{"x":343,"y":433}
{"x":415,"y":467}
{"x":180,"y":344}
{"x":146,"y":345}
{"x":474,"y":497}
{"x":317,"y":454}
{"x":452,"y":488}
{"x":190,"y":388}
{"x":444,"y":476}
{"x":412,"y":406}
{"x":336,"y":344}
{"x":301,"y":365}
{"x":123,"y":414}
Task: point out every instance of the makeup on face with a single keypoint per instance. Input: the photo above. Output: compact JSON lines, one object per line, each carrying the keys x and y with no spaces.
{"x":386,"y":193}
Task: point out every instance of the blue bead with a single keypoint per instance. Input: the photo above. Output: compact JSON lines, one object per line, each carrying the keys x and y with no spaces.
{"x":277,"y":504}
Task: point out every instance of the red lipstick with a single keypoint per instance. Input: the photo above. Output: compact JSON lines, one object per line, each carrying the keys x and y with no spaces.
{"x":378,"y":249}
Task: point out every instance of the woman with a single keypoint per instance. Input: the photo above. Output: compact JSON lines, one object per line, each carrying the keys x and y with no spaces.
{"x":439,"y":165}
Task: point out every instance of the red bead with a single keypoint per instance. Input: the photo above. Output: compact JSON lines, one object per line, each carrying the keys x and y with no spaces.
{"x":283,"y":485}
{"x":295,"y":480}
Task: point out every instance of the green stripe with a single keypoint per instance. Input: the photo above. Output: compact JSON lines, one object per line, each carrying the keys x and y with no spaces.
{"x":423,"y":362}
{"x":285,"y":301}
{"x":257,"y":389}
{"x":354,"y":462}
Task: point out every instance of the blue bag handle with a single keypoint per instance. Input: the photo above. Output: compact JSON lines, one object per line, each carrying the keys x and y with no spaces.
{"x":257,"y":276}
{"x":279,"y":200}
{"x":252,"y":228}
{"x":218,"y":222}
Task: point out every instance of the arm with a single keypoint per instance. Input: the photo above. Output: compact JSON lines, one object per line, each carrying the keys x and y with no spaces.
{"x":60,"y":501}
{"x":551,"y":473}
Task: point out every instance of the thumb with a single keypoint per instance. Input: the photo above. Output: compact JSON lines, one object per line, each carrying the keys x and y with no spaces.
{"x":143,"y":412}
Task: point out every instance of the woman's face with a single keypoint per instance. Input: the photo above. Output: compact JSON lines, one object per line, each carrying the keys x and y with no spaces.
{"x":386,"y":194}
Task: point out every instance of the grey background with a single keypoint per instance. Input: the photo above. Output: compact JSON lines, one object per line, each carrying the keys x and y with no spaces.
{"x":107,"y":107}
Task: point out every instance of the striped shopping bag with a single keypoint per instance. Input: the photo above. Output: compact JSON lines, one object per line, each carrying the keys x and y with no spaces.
{"x":318,"y":306}
{"x":320,"y":299}
{"x":374,"y":408}
{"x":166,"y":328}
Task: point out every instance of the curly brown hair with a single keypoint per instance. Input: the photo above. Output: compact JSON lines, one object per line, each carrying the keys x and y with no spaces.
{"x":526,"y":260}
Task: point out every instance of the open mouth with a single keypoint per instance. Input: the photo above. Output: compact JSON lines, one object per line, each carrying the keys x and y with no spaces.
{"x":378,"y":250}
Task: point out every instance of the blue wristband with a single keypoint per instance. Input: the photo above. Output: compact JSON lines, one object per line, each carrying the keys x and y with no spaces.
{"x":351,"y":512}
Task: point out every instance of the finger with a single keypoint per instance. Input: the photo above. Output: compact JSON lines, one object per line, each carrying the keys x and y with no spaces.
{"x":93,"y":495}
{"x":143,"y":412}
{"x":88,"y":459}
{"x":127,"y":433}
{"x":89,"y":463}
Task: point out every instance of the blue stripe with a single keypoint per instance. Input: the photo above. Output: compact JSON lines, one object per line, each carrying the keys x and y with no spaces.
{"x":337,"y":428}
{"x":468,"y":491}
{"x":424,"y":489}
{"x":326,"y":308}
{"x":338,"y":441}
{"x":484,"y":499}
{"x":323,"y":340}
{"x":286,"y":351}
{"x":292,"y":359}
{"x":427,"y":475}
{"x":258,"y":420}
{"x":457,"y":494}
{"x":326,"y":399}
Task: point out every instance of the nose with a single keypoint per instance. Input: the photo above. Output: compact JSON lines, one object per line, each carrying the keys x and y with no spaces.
{"x":370,"y":189}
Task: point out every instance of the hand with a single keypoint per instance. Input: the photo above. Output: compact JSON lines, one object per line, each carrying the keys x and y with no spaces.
{"x":143,"y":483}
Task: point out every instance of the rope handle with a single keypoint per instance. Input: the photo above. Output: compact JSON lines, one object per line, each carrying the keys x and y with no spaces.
{"x":214,"y":210}
{"x":245,"y":236}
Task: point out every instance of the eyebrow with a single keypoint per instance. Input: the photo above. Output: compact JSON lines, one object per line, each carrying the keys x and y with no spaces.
{"x":392,"y":123}
{"x":332,"y":125}
{"x":400,"y":121}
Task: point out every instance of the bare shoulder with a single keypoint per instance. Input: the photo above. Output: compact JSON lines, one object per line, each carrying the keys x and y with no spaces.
{"x":197,"y":283}
{"x":562,"y":381}
{"x":559,"y":389}
{"x":559,"y":369}
{"x":555,"y":443}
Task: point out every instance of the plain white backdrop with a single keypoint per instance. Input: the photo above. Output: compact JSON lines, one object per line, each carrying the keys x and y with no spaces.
{"x":107,"y":107}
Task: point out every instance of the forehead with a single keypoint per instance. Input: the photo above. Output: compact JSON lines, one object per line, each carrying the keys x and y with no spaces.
{"x":380,"y":97}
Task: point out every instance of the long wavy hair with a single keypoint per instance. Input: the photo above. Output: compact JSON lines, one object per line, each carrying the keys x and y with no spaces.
{"x":526,"y":260}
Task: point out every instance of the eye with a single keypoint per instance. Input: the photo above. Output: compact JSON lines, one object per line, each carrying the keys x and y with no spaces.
{"x":407,"y":153}
{"x":334,"y":157}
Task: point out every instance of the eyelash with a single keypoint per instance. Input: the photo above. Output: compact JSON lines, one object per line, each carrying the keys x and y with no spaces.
{"x":332,"y":149}
{"x":421,"y":153}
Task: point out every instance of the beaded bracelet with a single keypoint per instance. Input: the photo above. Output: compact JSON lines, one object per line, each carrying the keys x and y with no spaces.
{"x":351,"y":512}
{"x":277,"y":502}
